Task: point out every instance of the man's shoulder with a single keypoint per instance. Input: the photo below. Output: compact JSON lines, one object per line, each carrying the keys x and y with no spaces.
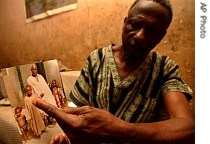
{"x":162,"y":57}
{"x":103,"y":49}
{"x":22,"y":116}
{"x":29,"y":77}
{"x":100,"y":52}
{"x":39,"y":75}
{"x":159,"y":55}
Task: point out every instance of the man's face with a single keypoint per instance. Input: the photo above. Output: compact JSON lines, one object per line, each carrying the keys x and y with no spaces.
{"x":34,"y":71}
{"x":18,"y":112}
{"x":143,"y":29}
{"x":28,"y":91}
{"x":54,"y":83}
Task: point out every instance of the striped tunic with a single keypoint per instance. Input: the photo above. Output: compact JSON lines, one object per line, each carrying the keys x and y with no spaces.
{"x":137,"y":97}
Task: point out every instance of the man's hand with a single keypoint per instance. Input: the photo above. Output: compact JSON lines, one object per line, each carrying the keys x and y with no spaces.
{"x":59,"y":139}
{"x":85,"y":124}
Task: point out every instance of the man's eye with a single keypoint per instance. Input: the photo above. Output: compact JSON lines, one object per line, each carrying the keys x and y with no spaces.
{"x":136,"y":26}
{"x":152,"y":30}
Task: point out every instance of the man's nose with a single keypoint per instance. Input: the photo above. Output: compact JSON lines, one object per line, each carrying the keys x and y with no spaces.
{"x":140,"y":34}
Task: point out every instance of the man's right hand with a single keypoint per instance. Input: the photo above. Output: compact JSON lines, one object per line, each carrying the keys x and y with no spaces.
{"x":59,"y":139}
{"x":86,"y":124}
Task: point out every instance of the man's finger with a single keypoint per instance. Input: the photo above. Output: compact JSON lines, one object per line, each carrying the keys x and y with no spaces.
{"x":77,"y":110}
{"x":53,"y":111}
{"x":48,"y":108}
{"x":54,"y":140}
{"x":71,"y":110}
{"x":67,"y":141}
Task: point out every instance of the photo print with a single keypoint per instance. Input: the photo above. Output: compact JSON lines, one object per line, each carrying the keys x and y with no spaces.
{"x":23,"y":84}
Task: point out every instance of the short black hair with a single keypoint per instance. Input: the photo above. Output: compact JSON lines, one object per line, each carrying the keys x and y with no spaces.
{"x":18,"y":107}
{"x":165,"y":3}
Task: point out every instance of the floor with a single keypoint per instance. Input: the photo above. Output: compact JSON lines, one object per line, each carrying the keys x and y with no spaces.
{"x":45,"y":136}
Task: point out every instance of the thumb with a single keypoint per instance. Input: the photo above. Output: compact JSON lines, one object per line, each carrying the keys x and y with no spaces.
{"x":77,"y":110}
{"x":50,"y":109}
{"x":71,"y":110}
{"x":53,"y":111}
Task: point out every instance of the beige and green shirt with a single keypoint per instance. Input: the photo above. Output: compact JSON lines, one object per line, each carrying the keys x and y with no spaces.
{"x":136,"y":98}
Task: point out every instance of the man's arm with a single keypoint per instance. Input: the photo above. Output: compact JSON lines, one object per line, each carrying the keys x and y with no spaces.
{"x":96,"y":125}
{"x":180,"y":128}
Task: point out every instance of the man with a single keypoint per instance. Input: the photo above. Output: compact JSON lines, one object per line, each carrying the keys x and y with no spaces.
{"x":22,"y":122}
{"x":37,"y":122}
{"x":58,"y":94}
{"x":122,"y":89}
{"x":40,"y":86}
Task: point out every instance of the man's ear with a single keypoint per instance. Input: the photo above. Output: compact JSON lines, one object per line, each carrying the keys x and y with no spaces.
{"x":125,"y":19}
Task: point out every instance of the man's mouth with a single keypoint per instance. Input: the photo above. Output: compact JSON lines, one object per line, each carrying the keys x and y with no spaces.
{"x":134,"y":48}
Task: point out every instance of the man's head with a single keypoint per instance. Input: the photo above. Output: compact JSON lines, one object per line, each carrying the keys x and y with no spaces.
{"x":28,"y":90}
{"x":34,"y":70}
{"x":164,"y":3}
{"x":54,"y":83}
{"x":18,"y":110}
{"x":145,"y":26}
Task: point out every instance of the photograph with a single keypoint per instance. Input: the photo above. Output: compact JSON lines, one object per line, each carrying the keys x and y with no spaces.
{"x":27,"y":82}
